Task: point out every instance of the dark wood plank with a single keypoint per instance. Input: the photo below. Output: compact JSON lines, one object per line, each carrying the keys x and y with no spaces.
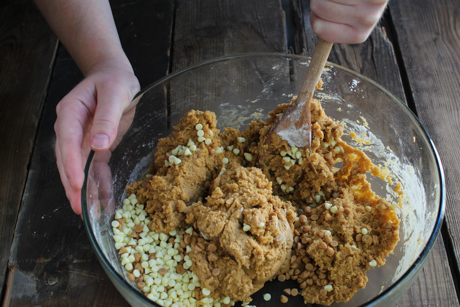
{"x":26,"y":53}
{"x":429,"y":47}
{"x":428,"y":35}
{"x":208,"y":29}
{"x":376,"y":60}
{"x":52,"y":262}
{"x":433,"y":286}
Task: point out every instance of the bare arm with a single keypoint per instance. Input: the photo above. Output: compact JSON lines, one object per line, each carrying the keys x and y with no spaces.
{"x":87,"y":30}
{"x":89,"y":115}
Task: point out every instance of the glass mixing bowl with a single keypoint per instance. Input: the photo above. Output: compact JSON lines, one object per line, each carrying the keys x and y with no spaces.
{"x":246,"y":87}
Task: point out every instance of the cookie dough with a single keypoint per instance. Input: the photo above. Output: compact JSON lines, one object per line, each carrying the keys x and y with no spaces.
{"x":247,"y":233}
{"x":263,"y":210}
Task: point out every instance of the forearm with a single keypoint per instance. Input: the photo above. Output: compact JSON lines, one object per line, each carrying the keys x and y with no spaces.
{"x":87,"y":30}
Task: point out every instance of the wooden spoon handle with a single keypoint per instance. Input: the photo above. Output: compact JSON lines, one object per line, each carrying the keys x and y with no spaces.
{"x":314,"y":71}
{"x":294,"y":126}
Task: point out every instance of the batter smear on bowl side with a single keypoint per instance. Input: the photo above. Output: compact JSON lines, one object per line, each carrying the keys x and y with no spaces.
{"x":244,"y":213}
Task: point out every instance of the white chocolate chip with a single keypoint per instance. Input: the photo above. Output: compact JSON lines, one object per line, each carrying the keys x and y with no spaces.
{"x":199,"y":127}
{"x":241,"y":140}
{"x":364,"y":231}
{"x":206,"y":292}
{"x":334,"y":209}
{"x":267,"y":296}
{"x":279,"y":180}
{"x":201,"y":139}
{"x":261,"y":224}
{"x":236,"y":151}
{"x":373,"y":263}
{"x":208,"y":141}
{"x":248,"y":156}
{"x":328,"y":288}
{"x":225,"y":161}
{"x":200,"y":133}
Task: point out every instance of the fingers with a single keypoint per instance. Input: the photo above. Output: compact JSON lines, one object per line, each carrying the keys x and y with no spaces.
{"x":348,"y":22}
{"x":112,"y":99}
{"x":69,"y":129}
{"x":336,"y":32}
{"x":72,"y":194}
{"x":102,"y":179}
{"x":73,"y":116}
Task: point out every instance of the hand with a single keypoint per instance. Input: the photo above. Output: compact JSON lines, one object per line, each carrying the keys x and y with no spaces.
{"x":88,"y":118}
{"x":345,"y":21}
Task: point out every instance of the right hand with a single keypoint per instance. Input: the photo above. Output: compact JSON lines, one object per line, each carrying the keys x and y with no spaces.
{"x":88,"y":117}
{"x":345,"y":21}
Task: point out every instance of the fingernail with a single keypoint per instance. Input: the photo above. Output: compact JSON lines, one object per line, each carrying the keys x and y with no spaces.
{"x":100,"y":141}
{"x":318,"y":26}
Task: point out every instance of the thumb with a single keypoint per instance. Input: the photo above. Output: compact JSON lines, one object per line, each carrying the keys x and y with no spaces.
{"x":111,"y":102}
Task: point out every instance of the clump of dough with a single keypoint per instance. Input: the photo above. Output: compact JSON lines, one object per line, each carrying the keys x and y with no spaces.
{"x":231,"y":261}
{"x":171,"y":188}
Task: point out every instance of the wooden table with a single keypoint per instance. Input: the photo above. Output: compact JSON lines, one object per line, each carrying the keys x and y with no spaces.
{"x":45,"y":256}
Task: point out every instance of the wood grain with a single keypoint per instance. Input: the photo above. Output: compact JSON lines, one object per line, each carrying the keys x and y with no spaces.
{"x":52,"y":261}
{"x":26,"y":53}
{"x":375,"y":59}
{"x":433,"y":286}
{"x":209,"y":29}
{"x":430,"y":50}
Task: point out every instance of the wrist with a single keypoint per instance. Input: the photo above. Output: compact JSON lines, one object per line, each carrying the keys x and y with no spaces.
{"x":105,"y":61}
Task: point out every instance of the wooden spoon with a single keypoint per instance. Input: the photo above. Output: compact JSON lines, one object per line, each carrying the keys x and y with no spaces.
{"x":294,"y":126}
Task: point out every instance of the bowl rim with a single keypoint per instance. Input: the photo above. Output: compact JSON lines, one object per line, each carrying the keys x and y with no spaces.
{"x":411,"y":272}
